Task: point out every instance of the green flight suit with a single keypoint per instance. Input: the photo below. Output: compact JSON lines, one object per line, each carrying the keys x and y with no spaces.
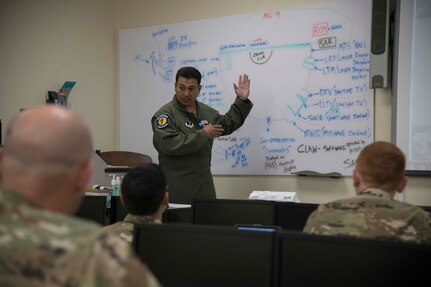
{"x":184,"y":149}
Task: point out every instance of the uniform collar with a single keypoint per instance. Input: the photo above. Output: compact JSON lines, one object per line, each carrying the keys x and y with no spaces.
{"x":14,"y":198}
{"x":375,"y":192}
{"x":182,"y":108}
{"x":132,"y":218}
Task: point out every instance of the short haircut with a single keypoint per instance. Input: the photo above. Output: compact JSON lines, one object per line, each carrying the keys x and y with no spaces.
{"x":189,"y":73}
{"x":143,"y":189}
{"x":381,"y":165}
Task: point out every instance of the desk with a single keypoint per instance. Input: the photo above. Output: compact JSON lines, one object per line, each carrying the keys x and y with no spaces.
{"x":94,"y":203}
{"x":102,"y":171}
{"x":175,"y":213}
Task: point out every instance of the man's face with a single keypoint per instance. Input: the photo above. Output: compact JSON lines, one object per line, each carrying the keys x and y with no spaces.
{"x":186,"y":92}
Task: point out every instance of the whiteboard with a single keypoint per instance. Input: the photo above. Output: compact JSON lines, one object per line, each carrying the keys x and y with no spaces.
{"x":309,"y":66}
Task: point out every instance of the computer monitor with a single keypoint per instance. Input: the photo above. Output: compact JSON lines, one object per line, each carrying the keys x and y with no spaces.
{"x":178,"y":215}
{"x":319,"y":260}
{"x":196,"y":255}
{"x":118,"y":210}
{"x":293,"y":215}
{"x":230,"y":212}
{"x":426,"y":208}
{"x":93,"y":207}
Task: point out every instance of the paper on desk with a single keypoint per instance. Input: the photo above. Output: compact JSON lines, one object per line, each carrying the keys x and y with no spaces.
{"x":178,"y":205}
{"x":275,"y":195}
{"x":97,"y":193}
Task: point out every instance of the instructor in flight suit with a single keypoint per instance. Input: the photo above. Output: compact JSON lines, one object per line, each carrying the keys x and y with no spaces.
{"x":183,"y":134}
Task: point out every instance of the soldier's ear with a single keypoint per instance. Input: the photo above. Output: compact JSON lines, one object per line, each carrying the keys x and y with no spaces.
{"x":83,"y":176}
{"x":357,"y":181}
{"x":402,"y":185}
{"x":355,"y":176}
{"x":1,"y":160}
{"x":165,"y":199}
{"x":123,"y":202}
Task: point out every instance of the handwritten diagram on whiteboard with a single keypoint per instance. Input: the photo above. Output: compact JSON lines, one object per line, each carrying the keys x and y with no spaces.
{"x":309,"y":66}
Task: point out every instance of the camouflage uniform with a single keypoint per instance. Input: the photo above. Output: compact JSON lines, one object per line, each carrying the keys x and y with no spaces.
{"x":43,"y":248}
{"x":371,"y":214}
{"x":124,"y":229}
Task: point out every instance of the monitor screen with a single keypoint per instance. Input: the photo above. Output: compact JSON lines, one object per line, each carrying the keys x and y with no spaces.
{"x":118,"y":210}
{"x":292,"y":215}
{"x":426,"y":208}
{"x":93,"y":207}
{"x":230,"y":212}
{"x":196,"y":255}
{"x":318,"y":260}
{"x":183,"y":215}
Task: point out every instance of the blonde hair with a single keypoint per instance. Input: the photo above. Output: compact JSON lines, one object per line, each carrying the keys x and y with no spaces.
{"x":381,"y":165}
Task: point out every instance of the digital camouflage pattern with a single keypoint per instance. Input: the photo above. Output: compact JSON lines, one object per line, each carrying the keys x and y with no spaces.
{"x":43,"y":248}
{"x":371,"y":214}
{"x":124,"y":229}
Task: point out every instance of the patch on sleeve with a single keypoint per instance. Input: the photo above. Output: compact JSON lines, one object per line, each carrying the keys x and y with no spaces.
{"x":162,"y":121}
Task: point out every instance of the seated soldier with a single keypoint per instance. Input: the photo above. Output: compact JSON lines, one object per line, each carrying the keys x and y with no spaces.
{"x":143,"y":193}
{"x":374,"y":213}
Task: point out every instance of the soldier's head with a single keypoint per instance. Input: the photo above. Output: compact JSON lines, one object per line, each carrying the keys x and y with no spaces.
{"x":380,"y":165}
{"x":188,"y":87}
{"x":143,"y":191}
{"x":189,"y":73}
{"x":47,"y":157}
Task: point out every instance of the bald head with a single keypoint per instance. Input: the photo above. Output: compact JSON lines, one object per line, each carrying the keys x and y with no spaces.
{"x":47,"y":135}
{"x":47,"y":157}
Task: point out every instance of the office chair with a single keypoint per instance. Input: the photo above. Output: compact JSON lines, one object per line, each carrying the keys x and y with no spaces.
{"x":124,"y":158}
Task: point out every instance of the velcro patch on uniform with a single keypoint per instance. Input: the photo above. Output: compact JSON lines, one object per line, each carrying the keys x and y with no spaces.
{"x":162,"y":121}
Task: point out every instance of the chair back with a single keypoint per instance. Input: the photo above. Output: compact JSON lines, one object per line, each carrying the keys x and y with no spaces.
{"x":125,"y":158}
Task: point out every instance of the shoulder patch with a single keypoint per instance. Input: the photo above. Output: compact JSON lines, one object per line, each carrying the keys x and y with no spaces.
{"x":162,"y":121}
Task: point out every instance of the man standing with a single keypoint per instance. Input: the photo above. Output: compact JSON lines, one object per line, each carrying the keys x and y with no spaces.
{"x":374,"y":213}
{"x":45,"y":165}
{"x":183,"y":134}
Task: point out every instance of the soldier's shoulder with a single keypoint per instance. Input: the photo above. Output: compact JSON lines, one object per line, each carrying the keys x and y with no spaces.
{"x":121,"y":266}
{"x":165,"y":109}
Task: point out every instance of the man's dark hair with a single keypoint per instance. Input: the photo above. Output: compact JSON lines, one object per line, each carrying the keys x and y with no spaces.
{"x":143,"y":189}
{"x":189,"y":73}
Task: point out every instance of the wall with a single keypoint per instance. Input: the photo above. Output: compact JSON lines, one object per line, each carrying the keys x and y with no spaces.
{"x":46,"y":42}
